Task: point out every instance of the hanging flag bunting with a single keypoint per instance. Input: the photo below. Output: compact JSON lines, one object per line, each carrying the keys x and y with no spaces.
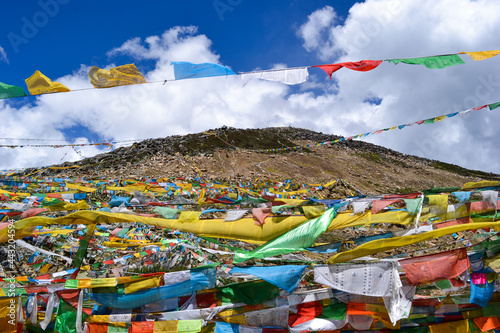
{"x":116,"y":76}
{"x":362,"y":66}
{"x":286,"y":76}
{"x":481,"y":55}
{"x":188,"y":70}
{"x":8,"y":91}
{"x":431,"y":62}
{"x":40,"y":84}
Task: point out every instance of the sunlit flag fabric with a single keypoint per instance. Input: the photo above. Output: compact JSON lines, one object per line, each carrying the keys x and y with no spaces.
{"x":117,"y":76}
{"x":188,"y":70}
{"x":362,"y":66}
{"x":481,"y":55}
{"x":8,"y":91}
{"x":40,"y":84}
{"x":286,"y":76}
{"x":432,"y":62}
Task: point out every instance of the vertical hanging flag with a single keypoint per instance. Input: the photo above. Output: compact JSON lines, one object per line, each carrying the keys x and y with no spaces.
{"x":188,"y":70}
{"x":40,"y":84}
{"x":116,"y":76}
{"x":362,"y":66}
{"x":8,"y":91}
{"x":481,"y":55}
{"x":84,"y":244}
{"x":431,"y":62}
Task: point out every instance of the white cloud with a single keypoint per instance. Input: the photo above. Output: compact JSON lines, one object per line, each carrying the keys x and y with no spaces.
{"x":351,"y":103}
{"x":396,"y":29}
{"x":3,"y":55}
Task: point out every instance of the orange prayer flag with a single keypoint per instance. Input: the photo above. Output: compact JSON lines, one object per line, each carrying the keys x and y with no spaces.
{"x":435,"y":267}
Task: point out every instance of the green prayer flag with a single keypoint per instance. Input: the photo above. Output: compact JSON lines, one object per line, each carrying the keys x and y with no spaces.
{"x":84,"y":244}
{"x":297,"y":239}
{"x":8,"y":91}
{"x":429,"y":121}
{"x":71,"y":284}
{"x":413,"y":205}
{"x":117,"y":329}
{"x":66,"y":318}
{"x":432,"y":62}
{"x":189,"y":326}
{"x":494,"y":106}
{"x":443,"y":284}
{"x":168,"y":213}
{"x":334,"y":311}
{"x":252,"y":292}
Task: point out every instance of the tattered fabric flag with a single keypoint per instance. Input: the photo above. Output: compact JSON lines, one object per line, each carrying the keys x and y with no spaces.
{"x":494,"y":105}
{"x":481,"y":55}
{"x":188,"y":70}
{"x":260,"y":214}
{"x":434,"y":267}
{"x":362,"y":66}
{"x":40,"y":84}
{"x":286,"y":76}
{"x":84,"y":244}
{"x":378,"y":205}
{"x":431,"y":62}
{"x":413,"y":205}
{"x":490,"y":197}
{"x":235,"y":214}
{"x":8,"y":91}
{"x":168,"y":213}
{"x":462,"y":196}
{"x":285,"y":277}
{"x":250,"y":292}
{"x":116,"y":76}
{"x":297,"y":239}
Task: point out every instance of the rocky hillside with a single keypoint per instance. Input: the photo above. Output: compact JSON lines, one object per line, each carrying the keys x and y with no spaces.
{"x":370,"y":168}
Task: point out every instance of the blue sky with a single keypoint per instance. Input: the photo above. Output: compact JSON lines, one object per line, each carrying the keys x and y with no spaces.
{"x":71,"y":36}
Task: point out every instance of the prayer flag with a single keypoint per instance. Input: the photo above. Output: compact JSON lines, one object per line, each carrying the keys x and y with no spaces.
{"x":116,"y":76}
{"x":481,"y":55}
{"x":435,"y":267}
{"x":494,"y":105}
{"x":8,"y":91}
{"x":432,"y":62}
{"x":286,"y":76}
{"x":40,"y":84}
{"x":362,"y":66}
{"x":188,"y":70}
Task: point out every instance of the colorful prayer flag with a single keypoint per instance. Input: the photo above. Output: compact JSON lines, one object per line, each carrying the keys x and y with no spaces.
{"x":40,"y":84}
{"x":116,"y":76}
{"x":431,"y":62}
{"x":8,"y":91}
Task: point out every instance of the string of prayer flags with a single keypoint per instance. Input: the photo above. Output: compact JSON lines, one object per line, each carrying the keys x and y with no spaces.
{"x":8,"y":91}
{"x":431,"y":62}
{"x":40,"y":84}
{"x":362,"y":66}
{"x":188,"y":70}
{"x":116,"y":76}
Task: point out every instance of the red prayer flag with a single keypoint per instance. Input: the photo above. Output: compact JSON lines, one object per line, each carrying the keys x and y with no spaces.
{"x":435,"y":267}
{"x":362,"y":66}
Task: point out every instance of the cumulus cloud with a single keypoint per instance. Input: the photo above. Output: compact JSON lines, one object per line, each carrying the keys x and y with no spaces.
{"x":351,"y":103}
{"x":385,"y":29}
{"x":3,"y":55}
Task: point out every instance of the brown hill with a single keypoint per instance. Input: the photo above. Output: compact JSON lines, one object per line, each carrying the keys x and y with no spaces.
{"x":370,"y":168}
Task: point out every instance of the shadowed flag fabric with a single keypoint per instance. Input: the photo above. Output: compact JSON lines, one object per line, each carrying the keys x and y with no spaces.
{"x":435,"y":267}
{"x":188,"y":70}
{"x":40,"y":84}
{"x":362,"y":66}
{"x":8,"y":91}
{"x":494,"y":106}
{"x":286,"y":277}
{"x":432,"y":62}
{"x":116,"y":76}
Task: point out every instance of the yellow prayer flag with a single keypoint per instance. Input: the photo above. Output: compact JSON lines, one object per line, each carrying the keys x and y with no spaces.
{"x":165,"y":326}
{"x":459,"y":326}
{"x":116,"y":76}
{"x":186,"y":216}
{"x":481,"y":55}
{"x":40,"y":84}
